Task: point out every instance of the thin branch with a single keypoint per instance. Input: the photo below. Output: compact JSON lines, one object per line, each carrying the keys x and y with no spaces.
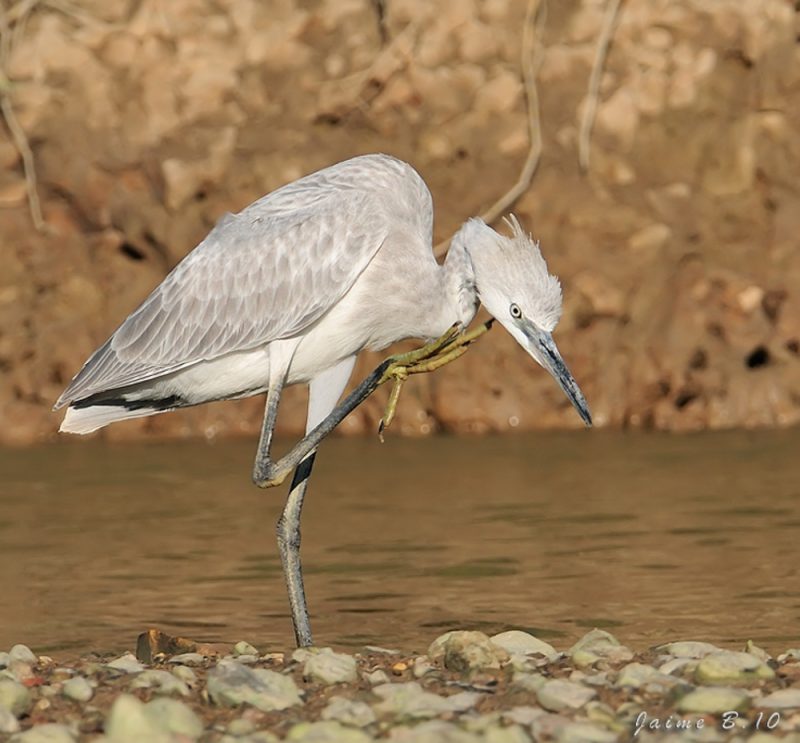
{"x":600,"y":54}
{"x":18,"y":16}
{"x":28,"y":164}
{"x":532,"y":52}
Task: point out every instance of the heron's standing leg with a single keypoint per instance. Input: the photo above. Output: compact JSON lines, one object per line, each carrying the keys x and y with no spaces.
{"x":324,"y":392}
{"x":289,"y":547}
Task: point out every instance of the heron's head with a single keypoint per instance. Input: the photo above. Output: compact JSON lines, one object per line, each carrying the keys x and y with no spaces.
{"x":513,"y":283}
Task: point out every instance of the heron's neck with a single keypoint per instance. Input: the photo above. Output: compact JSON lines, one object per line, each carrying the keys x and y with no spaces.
{"x":459,"y":282}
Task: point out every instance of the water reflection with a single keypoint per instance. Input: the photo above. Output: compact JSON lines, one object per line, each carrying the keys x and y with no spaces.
{"x":654,"y":537}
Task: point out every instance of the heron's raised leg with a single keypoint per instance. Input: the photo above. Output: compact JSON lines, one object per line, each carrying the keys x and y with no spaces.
{"x":268,"y":473}
{"x":289,"y":547}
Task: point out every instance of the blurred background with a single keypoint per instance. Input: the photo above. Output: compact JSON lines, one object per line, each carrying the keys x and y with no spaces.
{"x":144,"y":120}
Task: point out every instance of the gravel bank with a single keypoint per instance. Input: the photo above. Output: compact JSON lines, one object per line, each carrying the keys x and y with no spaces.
{"x":468,"y":687}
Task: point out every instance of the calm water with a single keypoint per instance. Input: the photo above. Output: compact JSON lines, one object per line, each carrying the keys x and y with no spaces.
{"x":654,"y":537}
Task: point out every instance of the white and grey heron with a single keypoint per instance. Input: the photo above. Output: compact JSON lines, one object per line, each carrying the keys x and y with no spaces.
{"x":290,"y":290}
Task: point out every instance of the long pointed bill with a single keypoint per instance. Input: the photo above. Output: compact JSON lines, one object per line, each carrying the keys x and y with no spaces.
{"x":542,"y":347}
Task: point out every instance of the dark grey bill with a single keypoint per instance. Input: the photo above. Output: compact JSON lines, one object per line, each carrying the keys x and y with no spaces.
{"x":543,"y":348}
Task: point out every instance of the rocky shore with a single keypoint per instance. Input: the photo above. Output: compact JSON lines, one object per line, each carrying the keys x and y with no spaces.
{"x":467,"y":688}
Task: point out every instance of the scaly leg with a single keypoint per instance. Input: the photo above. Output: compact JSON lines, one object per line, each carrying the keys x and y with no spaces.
{"x":289,"y":547}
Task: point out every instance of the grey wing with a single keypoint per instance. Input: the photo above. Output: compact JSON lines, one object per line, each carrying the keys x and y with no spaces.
{"x":261,"y":275}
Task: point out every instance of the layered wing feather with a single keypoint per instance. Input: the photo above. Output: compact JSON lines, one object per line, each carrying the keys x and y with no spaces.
{"x":263,"y":274}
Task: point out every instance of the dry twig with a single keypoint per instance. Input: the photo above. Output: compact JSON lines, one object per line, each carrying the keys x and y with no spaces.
{"x":11,"y":24}
{"x":531,"y":59}
{"x":601,"y":52}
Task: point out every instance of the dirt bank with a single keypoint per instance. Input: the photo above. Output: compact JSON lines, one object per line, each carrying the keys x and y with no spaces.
{"x":678,"y":251}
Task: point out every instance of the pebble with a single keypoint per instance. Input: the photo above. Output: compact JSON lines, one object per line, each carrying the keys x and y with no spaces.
{"x":463,"y":650}
{"x":528,"y":681}
{"x":47,"y":733}
{"x":523,"y":715}
{"x":23,"y":654}
{"x":127,"y":663}
{"x":433,"y":731}
{"x":5,"y":659}
{"x":162,"y":682}
{"x":557,"y":695}
{"x":599,"y":645}
{"x":327,"y":667}
{"x":422,"y":665}
{"x":760,"y":653}
{"x":516,"y":642}
{"x":185,"y":674}
{"x":689,"y":649}
{"x":231,"y":684}
{"x":584,"y":732}
{"x":641,"y":676}
{"x":326,"y":732}
{"x":410,"y":700}
{"x":244,"y":648}
{"x":505,"y":734}
{"x":714,"y":700}
{"x":188,"y":659}
{"x":8,"y":723}
{"x":728,"y":666}
{"x":156,"y":721}
{"x":377,"y":677}
{"x":14,"y":697}
{"x":78,"y":688}
{"x":781,"y":699}
{"x":174,"y":717}
{"x":349,"y":712}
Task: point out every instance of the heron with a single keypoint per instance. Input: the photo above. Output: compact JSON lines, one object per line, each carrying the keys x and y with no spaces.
{"x":290,"y":290}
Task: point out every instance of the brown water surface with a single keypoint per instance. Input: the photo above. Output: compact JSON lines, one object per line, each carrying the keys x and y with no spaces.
{"x":654,"y":537}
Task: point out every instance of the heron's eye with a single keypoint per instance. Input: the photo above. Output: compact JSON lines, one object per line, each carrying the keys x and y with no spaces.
{"x":516,"y":312}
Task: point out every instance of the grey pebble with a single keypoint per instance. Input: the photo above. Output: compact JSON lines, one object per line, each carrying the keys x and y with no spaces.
{"x":463,"y":650}
{"x":433,"y":731}
{"x":689,"y":649}
{"x":516,"y":642}
{"x":244,"y":648}
{"x":523,"y":715}
{"x":422,"y":666}
{"x":528,"y":681}
{"x":647,"y":678}
{"x":326,"y":732}
{"x":78,"y":688}
{"x":714,"y":700}
{"x":8,"y":723}
{"x":505,"y":734}
{"x":557,"y":695}
{"x":130,"y":720}
{"x":327,"y":667}
{"x":599,"y":645}
{"x":584,"y":732}
{"x":781,"y":699}
{"x":185,"y":674}
{"x":377,"y":677}
{"x":349,"y":712}
{"x":24,"y":654}
{"x":410,"y":700}
{"x":162,"y":682}
{"x":14,"y":697}
{"x":126,"y":663}
{"x":231,"y":684}
{"x":728,"y":666}
{"x":48,"y":733}
{"x":187,"y":659}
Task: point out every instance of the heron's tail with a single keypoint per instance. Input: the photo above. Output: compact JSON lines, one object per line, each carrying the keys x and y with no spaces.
{"x":85,"y":416}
